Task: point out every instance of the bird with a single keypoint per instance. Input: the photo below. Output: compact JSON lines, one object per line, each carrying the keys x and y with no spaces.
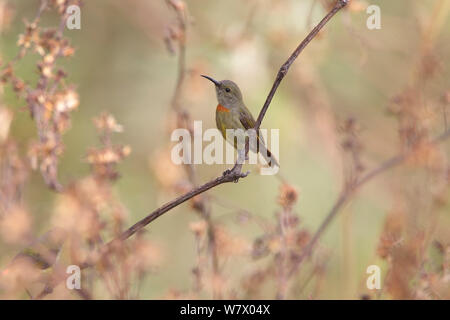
{"x":32,"y":262}
{"x":231,"y":113}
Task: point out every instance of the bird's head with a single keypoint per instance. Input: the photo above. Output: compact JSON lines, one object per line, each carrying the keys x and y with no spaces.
{"x":227,"y":91}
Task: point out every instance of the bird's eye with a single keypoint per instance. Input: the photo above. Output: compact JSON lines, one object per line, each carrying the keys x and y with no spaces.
{"x":227,"y":89}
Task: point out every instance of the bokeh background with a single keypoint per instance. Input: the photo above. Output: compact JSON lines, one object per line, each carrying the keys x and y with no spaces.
{"x":348,"y":76}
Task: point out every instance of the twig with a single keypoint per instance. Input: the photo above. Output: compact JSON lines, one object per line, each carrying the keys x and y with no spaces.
{"x":285,"y":67}
{"x":347,"y":193}
{"x":228,"y":177}
{"x":203,"y":205}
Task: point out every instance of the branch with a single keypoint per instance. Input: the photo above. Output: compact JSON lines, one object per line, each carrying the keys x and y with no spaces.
{"x":348,"y":192}
{"x":230,"y":175}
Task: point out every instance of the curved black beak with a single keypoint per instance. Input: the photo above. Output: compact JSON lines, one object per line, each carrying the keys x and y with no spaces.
{"x":211,"y":79}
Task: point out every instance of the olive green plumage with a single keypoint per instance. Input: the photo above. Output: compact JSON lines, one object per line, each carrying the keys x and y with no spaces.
{"x":231,"y":113}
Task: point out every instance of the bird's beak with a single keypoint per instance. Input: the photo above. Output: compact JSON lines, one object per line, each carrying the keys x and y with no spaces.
{"x":217,"y":83}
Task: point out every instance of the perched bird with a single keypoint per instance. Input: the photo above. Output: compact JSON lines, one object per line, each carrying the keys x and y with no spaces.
{"x":231,"y":113}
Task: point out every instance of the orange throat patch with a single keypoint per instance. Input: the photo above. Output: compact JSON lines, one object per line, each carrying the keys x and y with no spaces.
{"x":221,"y":108}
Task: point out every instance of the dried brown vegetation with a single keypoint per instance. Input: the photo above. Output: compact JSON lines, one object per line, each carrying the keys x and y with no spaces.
{"x":286,"y":259}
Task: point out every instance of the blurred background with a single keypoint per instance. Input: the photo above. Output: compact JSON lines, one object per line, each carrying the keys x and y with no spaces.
{"x":354,"y":98}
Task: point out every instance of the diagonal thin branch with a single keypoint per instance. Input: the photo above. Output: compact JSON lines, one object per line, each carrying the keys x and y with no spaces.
{"x":184,"y":117}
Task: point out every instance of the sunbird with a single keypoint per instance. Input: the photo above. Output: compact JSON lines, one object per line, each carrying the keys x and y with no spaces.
{"x":231,"y":113}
